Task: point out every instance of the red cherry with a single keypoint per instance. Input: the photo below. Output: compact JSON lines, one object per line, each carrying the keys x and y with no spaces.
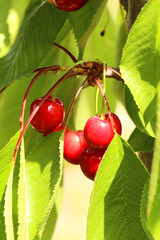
{"x":49,"y":116}
{"x":74,"y":144}
{"x":68,"y":5}
{"x":98,"y":132}
{"x":90,"y":160}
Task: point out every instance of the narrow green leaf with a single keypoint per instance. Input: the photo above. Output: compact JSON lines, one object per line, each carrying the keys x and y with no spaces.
{"x":5,"y":171}
{"x":143,"y":213}
{"x":8,"y":207}
{"x":140,"y":66}
{"x":22,"y":201}
{"x":5,"y":163}
{"x":140,"y":141}
{"x":84,"y":21}
{"x":153,"y":208}
{"x":114,"y":211}
{"x":37,"y":33}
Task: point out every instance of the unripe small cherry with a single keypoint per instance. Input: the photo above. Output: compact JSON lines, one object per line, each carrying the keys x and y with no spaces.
{"x":74,"y":144}
{"x":68,"y":5}
{"x":49,"y":116}
{"x":98,"y":132}
{"x":90,"y":160}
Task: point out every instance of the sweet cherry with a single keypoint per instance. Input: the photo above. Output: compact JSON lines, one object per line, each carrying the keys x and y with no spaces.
{"x":74,"y":144}
{"x":90,"y":160}
{"x":98,"y":132}
{"x":68,"y":5}
{"x":49,"y":116}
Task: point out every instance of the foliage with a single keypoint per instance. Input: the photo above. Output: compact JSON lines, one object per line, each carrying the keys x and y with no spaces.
{"x":124,"y":203}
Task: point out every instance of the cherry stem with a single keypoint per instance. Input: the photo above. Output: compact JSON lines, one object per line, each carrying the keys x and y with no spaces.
{"x":104,"y":89}
{"x":43,"y":70}
{"x":64,"y":77}
{"x":74,"y":99}
{"x":105,"y":100}
{"x":117,"y":75}
{"x":66,"y":51}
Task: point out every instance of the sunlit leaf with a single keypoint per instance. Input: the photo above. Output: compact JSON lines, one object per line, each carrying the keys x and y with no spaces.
{"x":8,"y":207}
{"x":140,"y":61}
{"x":42,"y":177}
{"x":22,"y":198}
{"x":114,"y":211}
{"x":153,"y":208}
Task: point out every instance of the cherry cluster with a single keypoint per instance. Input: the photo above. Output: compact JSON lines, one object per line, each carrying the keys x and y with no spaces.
{"x":87,"y":147}
{"x":47,"y":115}
{"x":84,"y":147}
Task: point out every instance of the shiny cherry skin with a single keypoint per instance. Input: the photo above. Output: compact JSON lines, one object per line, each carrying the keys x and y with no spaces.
{"x":74,"y":144}
{"x":49,"y":116}
{"x":98,"y":132}
{"x":90,"y":160}
{"x":68,"y":5}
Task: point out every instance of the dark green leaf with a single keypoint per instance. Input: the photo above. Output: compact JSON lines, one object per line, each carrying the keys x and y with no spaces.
{"x":37,"y":33}
{"x":140,"y":141}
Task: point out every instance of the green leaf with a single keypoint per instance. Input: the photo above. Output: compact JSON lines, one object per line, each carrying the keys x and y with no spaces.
{"x":37,"y":33}
{"x":8,"y":207}
{"x":114,"y":211}
{"x":22,"y":198}
{"x":42,"y":177}
{"x":137,"y":116}
{"x":4,"y":9}
{"x":144,"y":210}
{"x":153,"y":208}
{"x":140,"y":66}
{"x":5,"y":163}
{"x":84,"y":21}
{"x":5,"y":171}
{"x":51,"y":221}
{"x":140,"y":141}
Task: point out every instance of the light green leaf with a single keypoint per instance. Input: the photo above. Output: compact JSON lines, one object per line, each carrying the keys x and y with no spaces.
{"x":37,"y":33}
{"x":140,"y":66}
{"x":5,"y":172}
{"x":84,"y":21}
{"x":140,"y":141}
{"x":144,"y":211}
{"x":5,"y":163}
{"x":114,"y":211}
{"x":22,"y":198}
{"x":8,"y":207}
{"x":43,"y":172}
{"x":51,"y":221}
{"x":153,"y":208}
